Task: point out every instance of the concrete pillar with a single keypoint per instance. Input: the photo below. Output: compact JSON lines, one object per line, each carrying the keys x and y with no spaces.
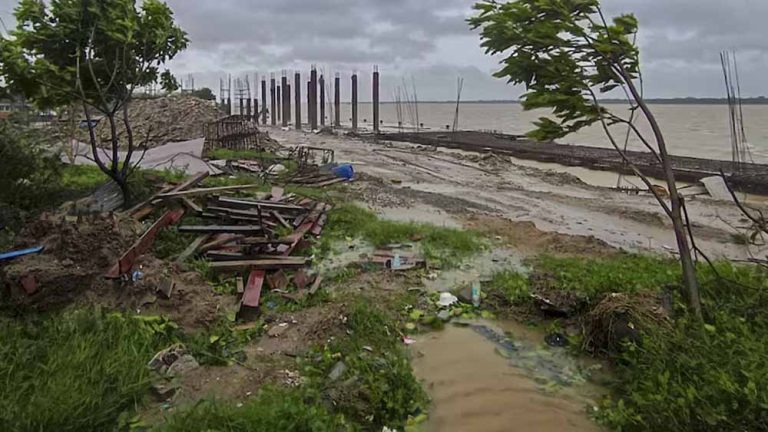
{"x":337,"y":101}
{"x":263,"y":102}
{"x":279,"y":99}
{"x":322,"y":100}
{"x":313,"y":98}
{"x":273,"y":106}
{"x":297,"y":97}
{"x":229,"y":106}
{"x":309,"y":103}
{"x":376,"y":99}
{"x":288,"y":100}
{"x":354,"y":101}
{"x":256,"y":111}
{"x":284,"y":85}
{"x":242,"y":106}
{"x":248,"y":108}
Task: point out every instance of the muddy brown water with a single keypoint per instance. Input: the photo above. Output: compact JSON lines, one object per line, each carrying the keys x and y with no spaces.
{"x":479,"y":384}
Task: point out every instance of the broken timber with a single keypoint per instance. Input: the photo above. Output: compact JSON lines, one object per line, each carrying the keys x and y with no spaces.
{"x":222,"y":229}
{"x":126,"y":262}
{"x":206,"y":191}
{"x":264,"y":264}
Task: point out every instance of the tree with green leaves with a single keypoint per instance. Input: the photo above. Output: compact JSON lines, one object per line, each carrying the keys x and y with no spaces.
{"x":566,"y":53}
{"x":204,"y":93}
{"x":94,"y":54}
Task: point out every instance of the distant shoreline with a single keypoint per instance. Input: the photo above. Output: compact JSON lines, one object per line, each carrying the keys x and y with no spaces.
{"x":674,"y":101}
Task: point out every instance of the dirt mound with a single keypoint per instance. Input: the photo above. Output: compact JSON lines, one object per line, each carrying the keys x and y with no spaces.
{"x":71,"y":269}
{"x":165,"y":119}
{"x":294,"y":333}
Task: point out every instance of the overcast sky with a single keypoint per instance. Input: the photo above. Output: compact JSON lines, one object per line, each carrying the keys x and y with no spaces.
{"x":428,"y":41}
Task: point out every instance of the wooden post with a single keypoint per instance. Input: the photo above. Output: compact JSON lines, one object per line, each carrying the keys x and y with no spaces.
{"x":288,"y":113}
{"x":256,"y":110}
{"x":313,"y":98}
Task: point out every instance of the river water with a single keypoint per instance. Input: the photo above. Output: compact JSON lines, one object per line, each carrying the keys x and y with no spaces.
{"x":690,"y":130}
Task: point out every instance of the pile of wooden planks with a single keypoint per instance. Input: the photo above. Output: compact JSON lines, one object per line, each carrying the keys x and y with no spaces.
{"x":254,"y":238}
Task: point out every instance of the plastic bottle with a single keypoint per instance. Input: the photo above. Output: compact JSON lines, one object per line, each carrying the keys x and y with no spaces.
{"x":476,"y":291}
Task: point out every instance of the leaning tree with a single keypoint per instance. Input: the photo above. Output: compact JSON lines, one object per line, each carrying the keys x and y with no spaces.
{"x":93,"y":54}
{"x":567,"y":53}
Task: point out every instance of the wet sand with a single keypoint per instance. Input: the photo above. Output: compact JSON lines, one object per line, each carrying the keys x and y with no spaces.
{"x":554,"y":201}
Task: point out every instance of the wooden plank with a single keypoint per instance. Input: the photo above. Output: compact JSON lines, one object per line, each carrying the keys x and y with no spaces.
{"x":191,"y":182}
{"x":316,"y":285}
{"x":191,"y":205}
{"x":327,"y":182}
{"x":221,"y":229}
{"x":125,"y":264}
{"x":206,"y":191}
{"x":221,"y":255}
{"x":281,"y":219}
{"x":271,"y":264}
{"x":265,"y":241}
{"x":220,"y":241}
{"x":192,"y":248}
{"x":252,"y":294}
{"x":250,"y":204}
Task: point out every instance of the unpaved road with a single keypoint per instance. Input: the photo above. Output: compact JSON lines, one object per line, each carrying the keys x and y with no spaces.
{"x":553,"y":201}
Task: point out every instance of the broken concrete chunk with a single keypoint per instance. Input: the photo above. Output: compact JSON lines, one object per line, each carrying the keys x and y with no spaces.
{"x":337,"y":371}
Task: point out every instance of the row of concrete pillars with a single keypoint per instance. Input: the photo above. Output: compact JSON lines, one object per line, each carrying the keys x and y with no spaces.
{"x":287,"y":110}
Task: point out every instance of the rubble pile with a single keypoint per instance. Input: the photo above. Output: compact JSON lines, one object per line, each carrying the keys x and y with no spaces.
{"x":166,"y":119}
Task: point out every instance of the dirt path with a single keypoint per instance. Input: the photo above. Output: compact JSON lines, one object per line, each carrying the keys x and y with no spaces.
{"x":553,"y":201}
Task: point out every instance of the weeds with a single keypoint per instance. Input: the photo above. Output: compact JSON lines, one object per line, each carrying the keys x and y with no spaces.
{"x":272,"y":410}
{"x":378,"y":387}
{"x":444,"y":245}
{"x":74,"y":372}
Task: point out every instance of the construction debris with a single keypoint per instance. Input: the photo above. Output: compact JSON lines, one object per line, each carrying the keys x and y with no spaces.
{"x":174,"y":118}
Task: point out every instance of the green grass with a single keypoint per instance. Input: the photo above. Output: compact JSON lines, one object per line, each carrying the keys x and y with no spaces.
{"x":445,"y":245}
{"x":77,"y":371}
{"x":506,"y":289}
{"x":377,"y":389}
{"x":597,"y":277}
{"x":693,"y":376}
{"x":272,"y":410}
{"x":82,"y":177}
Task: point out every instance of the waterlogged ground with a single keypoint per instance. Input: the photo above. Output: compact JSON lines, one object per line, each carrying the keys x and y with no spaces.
{"x":481,"y":379}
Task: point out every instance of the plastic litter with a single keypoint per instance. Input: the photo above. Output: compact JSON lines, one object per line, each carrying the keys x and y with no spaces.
{"x":345,"y":171}
{"x":447,"y":299}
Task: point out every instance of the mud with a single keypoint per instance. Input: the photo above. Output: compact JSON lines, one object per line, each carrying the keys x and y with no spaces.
{"x":551,"y":202}
{"x":292,"y":334}
{"x":502,"y":385}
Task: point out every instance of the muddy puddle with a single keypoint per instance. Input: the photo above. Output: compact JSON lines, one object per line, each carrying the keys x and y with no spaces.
{"x":485,"y":376}
{"x":480,"y":267}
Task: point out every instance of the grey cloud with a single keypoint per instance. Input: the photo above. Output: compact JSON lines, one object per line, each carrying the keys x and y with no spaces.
{"x":680,"y":41}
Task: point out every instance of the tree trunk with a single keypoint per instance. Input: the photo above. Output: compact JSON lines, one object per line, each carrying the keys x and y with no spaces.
{"x":690,"y":280}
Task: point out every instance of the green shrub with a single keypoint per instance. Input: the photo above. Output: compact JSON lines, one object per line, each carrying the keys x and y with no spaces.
{"x":29,"y":170}
{"x":289,"y":410}
{"x":697,"y":378}
{"x":73,"y":372}
{"x":378,"y":388}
